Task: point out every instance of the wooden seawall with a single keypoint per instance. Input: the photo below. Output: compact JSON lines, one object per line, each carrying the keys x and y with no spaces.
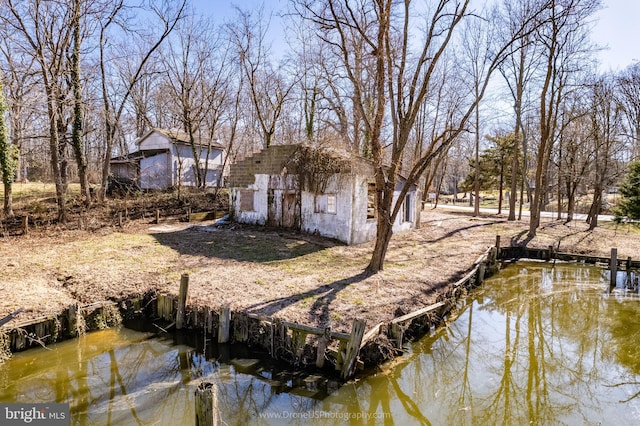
{"x":302,"y":346}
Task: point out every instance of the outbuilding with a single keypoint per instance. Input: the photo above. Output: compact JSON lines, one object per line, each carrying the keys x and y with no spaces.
{"x":315,"y":190}
{"x":167,"y":158}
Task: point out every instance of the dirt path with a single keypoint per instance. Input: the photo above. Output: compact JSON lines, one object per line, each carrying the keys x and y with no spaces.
{"x":292,"y":276}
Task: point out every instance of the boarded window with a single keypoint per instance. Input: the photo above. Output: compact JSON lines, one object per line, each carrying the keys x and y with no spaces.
{"x":331,"y":204}
{"x":371,"y":201}
{"x":246,"y":200}
{"x":325,"y":203}
{"x":407,"y":208}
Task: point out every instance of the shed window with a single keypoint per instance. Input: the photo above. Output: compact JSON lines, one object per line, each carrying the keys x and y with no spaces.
{"x":246,"y":200}
{"x":371,"y":202}
{"x":325,"y":203}
{"x":331,"y":204}
{"x":407,"y":208}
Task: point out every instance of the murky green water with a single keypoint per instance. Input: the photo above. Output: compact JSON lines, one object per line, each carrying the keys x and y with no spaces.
{"x":535,"y":345}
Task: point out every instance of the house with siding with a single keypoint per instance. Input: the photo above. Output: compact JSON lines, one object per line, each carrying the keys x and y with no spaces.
{"x":165,"y":159}
{"x":313,"y":190}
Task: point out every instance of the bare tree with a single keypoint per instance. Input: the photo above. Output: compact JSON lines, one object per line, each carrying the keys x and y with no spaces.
{"x":115,"y":99}
{"x":46,"y":33}
{"x":198,"y":82}
{"x":8,"y":157}
{"x":605,"y":129}
{"x":477,"y":49}
{"x":20,"y":79}
{"x":574,"y":153}
{"x":518,"y":71}
{"x":564,"y":42}
{"x":76,"y":83}
{"x":628,"y":96}
{"x":403,"y":77}
{"x":268,"y":87}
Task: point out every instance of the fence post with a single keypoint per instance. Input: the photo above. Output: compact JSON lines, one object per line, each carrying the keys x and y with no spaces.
{"x":25,"y":224}
{"x":223,"y":326}
{"x":614,"y":266}
{"x":353,"y":347}
{"x":182,"y":300}
{"x":206,"y":404}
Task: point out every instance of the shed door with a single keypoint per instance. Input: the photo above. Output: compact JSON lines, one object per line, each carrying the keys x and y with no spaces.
{"x":272,"y":208}
{"x":289,"y":210}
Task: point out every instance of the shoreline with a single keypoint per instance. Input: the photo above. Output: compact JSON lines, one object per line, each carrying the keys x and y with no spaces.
{"x":266,"y":273}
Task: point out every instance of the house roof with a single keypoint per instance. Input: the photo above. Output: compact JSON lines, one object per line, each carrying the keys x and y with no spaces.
{"x":182,"y":138}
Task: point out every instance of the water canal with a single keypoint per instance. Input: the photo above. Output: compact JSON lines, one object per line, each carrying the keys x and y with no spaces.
{"x":536,"y":344}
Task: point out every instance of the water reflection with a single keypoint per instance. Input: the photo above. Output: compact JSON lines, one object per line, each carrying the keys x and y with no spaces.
{"x":537,"y":344}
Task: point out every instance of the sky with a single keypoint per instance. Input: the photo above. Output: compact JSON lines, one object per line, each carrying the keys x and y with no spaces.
{"x":616,"y":26}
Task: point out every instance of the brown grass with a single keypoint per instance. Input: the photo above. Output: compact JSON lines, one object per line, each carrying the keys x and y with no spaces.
{"x":293,"y":276}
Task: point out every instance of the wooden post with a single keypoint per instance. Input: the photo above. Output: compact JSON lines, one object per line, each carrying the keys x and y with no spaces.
{"x":322,"y":347}
{"x":206,"y":404}
{"x":188,"y":213}
{"x":25,"y":224}
{"x":497,"y":246}
{"x":480,"y":273}
{"x":182,"y":300}
{"x":72,"y":317}
{"x":223,"y":327}
{"x":629,"y":263}
{"x":353,"y":347}
{"x":157,"y":216}
{"x":550,"y":254}
{"x":614,"y":266}
{"x":120,"y":219}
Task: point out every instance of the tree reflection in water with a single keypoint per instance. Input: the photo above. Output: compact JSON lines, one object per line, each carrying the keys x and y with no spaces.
{"x":536,"y":344}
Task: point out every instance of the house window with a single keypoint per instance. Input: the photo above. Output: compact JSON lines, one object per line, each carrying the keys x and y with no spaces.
{"x":371,"y":202}
{"x":246,"y":200}
{"x":407,"y":208}
{"x":331,"y":204}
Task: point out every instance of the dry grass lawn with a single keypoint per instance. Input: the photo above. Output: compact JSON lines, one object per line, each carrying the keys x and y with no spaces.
{"x":292,"y":276}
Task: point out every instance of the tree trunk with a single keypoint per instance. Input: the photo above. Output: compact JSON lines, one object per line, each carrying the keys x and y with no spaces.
{"x":514,"y":182}
{"x":76,"y":134}
{"x":8,"y":199}
{"x":594,"y":211}
{"x":383,"y":237}
{"x":571,"y":200}
{"x":501,"y":185}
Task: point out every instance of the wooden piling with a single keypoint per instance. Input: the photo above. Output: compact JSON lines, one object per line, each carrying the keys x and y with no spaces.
{"x":223,"y":326}
{"x":480,"y":273}
{"x":497,"y":246}
{"x":72,"y":316}
{"x":397,"y":333}
{"x":157,"y":216}
{"x":206,"y":404}
{"x":120,"y":219}
{"x":323,"y":341}
{"x":25,"y":225}
{"x":353,"y":347}
{"x":614,"y":266}
{"x":188,"y":213}
{"x":182,"y":300}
